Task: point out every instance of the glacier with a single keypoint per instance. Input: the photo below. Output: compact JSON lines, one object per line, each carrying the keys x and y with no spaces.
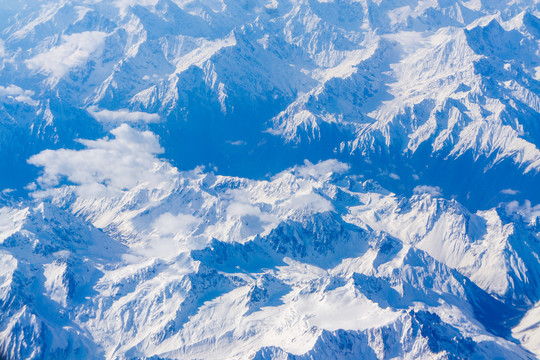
{"x":270,"y":179}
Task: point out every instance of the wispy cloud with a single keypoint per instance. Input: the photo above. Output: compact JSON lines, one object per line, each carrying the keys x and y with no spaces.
{"x":323,"y":168}
{"x":18,"y":94}
{"x":3,"y":51}
{"x":308,"y":201}
{"x":169,"y":224}
{"x":75,"y":51}
{"x":122,"y":115}
{"x":526,"y":211}
{"x":426,"y":189}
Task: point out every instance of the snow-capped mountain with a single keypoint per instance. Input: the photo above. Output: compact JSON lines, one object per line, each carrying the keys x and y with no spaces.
{"x":269,"y":179}
{"x":313,"y":263}
{"x":408,"y":92}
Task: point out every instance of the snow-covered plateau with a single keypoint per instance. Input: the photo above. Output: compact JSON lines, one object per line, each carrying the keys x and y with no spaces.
{"x":270,"y":179}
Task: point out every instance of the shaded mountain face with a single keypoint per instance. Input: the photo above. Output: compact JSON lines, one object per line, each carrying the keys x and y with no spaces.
{"x":187,"y":179}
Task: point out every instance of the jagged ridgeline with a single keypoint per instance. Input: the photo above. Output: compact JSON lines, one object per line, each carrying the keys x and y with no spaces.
{"x":269,"y":179}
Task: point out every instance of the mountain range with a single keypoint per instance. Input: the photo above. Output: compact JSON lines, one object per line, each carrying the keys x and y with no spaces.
{"x":270,"y":179}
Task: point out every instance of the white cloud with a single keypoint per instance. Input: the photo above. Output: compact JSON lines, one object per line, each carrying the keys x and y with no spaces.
{"x":320,"y":169}
{"x":426,"y":189}
{"x":123,"y":4}
{"x":509,"y":192}
{"x":526,"y":211}
{"x":242,"y":205}
{"x":106,"y":166}
{"x":240,"y":209}
{"x":17,"y":93}
{"x":3,"y":52}
{"x":308,"y":202}
{"x":73,"y":52}
{"x":169,"y":224}
{"x":122,"y":115}
{"x":236,"y":143}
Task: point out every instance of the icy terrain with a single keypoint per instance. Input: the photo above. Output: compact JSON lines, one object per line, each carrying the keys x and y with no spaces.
{"x":252,"y":179}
